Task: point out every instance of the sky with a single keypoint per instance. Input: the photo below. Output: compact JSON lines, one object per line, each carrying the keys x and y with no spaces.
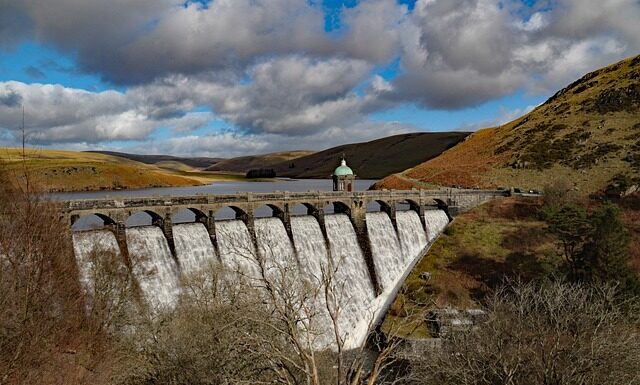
{"x":225,"y":78}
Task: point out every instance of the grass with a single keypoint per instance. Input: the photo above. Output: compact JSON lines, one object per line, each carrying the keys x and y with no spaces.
{"x":586,"y":133}
{"x":53,"y":170}
{"x":478,"y":250}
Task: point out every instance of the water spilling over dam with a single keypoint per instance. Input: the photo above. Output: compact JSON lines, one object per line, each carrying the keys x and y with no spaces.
{"x":305,"y":254}
{"x":344,"y":258}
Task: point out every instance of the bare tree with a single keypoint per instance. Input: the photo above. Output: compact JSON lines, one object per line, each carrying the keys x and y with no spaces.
{"x":266,"y":321}
{"x":555,"y":334}
{"x":39,"y":290}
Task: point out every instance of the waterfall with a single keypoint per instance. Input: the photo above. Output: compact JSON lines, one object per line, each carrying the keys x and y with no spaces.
{"x":312,"y":253}
{"x":152,"y":265}
{"x":388,"y":258}
{"x":310,"y":246}
{"x":301,"y":262}
{"x":194,"y":249}
{"x":236,"y":248}
{"x":413,"y":238}
{"x":351,"y":280}
{"x":84,"y":244}
{"x":274,"y":247}
{"x":436,"y":221}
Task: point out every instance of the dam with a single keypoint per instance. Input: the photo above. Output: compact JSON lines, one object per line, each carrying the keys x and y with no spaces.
{"x":368,"y":252}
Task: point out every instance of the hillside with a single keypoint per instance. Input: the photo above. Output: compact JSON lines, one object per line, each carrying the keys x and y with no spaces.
{"x":586,"y":133}
{"x":374,"y":159}
{"x":195,"y":162}
{"x":52,"y":170}
{"x":243,"y":164}
{"x":501,"y":239}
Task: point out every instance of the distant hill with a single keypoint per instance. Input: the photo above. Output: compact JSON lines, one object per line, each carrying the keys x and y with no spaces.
{"x":54,"y":170}
{"x":243,"y":164}
{"x":587,"y":133}
{"x":196,"y":162}
{"x":374,"y":159}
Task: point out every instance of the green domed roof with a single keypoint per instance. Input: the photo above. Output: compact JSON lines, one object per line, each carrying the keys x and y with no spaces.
{"x":343,"y":169}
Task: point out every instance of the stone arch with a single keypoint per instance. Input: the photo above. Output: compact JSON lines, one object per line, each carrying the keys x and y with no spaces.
{"x":262,"y":211}
{"x":91,"y":221}
{"x":444,"y":206}
{"x":337,"y":207}
{"x":185,"y":215}
{"x":441,"y":204}
{"x":303,"y":208}
{"x":136,"y":219}
{"x":378,"y":205}
{"x":230,"y":212}
{"x":407,"y":204}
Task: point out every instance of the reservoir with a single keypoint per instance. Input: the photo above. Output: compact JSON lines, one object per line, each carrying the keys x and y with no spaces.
{"x":281,"y":184}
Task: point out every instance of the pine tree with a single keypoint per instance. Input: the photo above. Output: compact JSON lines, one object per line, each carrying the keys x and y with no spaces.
{"x":571,"y":225}
{"x":607,"y":251}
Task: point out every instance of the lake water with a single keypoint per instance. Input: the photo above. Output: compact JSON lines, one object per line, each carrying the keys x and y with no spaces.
{"x":293,"y":185}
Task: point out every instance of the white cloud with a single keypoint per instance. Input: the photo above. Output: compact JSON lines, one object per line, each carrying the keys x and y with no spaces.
{"x":461,"y":53}
{"x":268,"y":68}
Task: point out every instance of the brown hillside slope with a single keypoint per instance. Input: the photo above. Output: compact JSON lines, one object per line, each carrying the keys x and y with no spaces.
{"x":242,"y":164}
{"x":55,"y":170}
{"x":586,"y":133}
{"x":374,"y":159}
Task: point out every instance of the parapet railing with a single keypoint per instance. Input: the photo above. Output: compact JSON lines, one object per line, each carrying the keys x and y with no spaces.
{"x":199,"y":199}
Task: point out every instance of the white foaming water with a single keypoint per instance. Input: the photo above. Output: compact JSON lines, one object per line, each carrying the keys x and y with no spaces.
{"x":193,"y":247}
{"x":312,"y":253}
{"x":236,"y":248}
{"x":157,"y":272}
{"x":388,"y":258}
{"x":351,"y":280}
{"x":436,"y":221}
{"x":153,"y":266}
{"x":413,"y":238}
{"x":86,"y":242}
{"x":274,"y":246}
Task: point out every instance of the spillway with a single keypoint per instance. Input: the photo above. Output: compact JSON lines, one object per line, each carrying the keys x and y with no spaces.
{"x":153,"y":266}
{"x":274,"y":247}
{"x":311,"y":249}
{"x":388,"y":258}
{"x":236,"y":248}
{"x":84,"y":244}
{"x":306,"y":261}
{"x":194,"y":249}
{"x":411,"y":234}
{"x":436,"y":221}
{"x":351,"y":278}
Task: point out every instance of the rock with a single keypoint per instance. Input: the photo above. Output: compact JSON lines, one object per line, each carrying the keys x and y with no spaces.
{"x":425,"y":276}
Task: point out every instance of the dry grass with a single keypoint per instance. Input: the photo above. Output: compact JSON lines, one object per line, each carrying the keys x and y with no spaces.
{"x":476,"y":253}
{"x":587,"y":133}
{"x":53,"y":170}
{"x":480,"y":248}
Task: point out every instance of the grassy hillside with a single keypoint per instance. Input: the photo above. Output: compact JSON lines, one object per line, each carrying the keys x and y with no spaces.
{"x":374,"y":159}
{"x":243,"y":164}
{"x":498,"y":240}
{"x":195,"y":162}
{"x":52,"y":170}
{"x":586,"y":133}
